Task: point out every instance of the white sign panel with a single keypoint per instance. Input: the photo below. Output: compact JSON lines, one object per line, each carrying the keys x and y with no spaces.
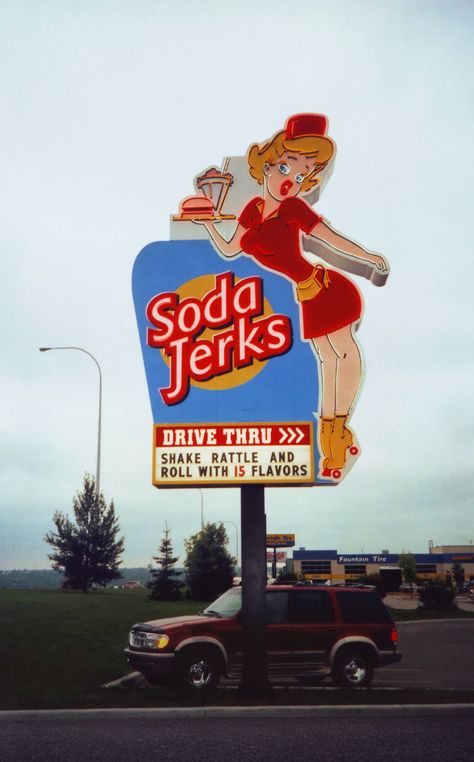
{"x":282,"y":453}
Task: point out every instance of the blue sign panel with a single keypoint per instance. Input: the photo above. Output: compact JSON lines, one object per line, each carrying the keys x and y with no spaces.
{"x":280,"y":390}
{"x":285,"y":388}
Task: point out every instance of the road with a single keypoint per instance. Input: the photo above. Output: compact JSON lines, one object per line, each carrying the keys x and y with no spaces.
{"x":367,"y":738}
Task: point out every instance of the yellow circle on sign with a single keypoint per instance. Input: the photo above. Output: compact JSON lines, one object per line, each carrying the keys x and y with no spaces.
{"x":198,"y":288}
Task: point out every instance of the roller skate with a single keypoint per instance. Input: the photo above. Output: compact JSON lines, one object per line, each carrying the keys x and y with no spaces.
{"x":342,"y":445}
{"x":325,"y":433}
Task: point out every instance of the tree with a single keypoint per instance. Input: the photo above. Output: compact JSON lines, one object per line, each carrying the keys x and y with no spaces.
{"x":87,"y":551}
{"x":407,"y":564}
{"x":458,"y":574}
{"x":163,"y":585}
{"x":210,"y":567}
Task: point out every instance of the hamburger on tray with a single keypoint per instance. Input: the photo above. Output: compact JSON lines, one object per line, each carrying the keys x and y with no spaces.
{"x":214,"y":185}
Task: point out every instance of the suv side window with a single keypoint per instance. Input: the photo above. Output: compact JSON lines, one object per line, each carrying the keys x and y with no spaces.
{"x":313,"y":606}
{"x":277,"y":607}
{"x":362,"y":607}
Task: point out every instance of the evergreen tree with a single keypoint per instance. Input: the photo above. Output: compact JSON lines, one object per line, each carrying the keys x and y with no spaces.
{"x":163,"y":585}
{"x":87,"y":551}
{"x":210,"y":567}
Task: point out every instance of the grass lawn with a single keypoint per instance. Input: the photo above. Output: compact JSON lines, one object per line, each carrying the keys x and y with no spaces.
{"x":59,"y":647}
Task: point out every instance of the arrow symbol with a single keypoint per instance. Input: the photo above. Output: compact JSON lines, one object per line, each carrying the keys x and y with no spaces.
{"x":301,"y":434}
{"x":284,"y":435}
{"x":292,"y":436}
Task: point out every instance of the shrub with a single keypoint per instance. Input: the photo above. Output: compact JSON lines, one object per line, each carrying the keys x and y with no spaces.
{"x":435,"y":595}
{"x":286,"y":576}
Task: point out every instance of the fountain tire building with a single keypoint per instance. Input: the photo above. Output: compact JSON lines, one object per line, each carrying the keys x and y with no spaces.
{"x":322,"y":566}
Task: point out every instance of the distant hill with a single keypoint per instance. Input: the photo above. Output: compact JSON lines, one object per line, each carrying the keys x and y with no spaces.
{"x":35,"y":579}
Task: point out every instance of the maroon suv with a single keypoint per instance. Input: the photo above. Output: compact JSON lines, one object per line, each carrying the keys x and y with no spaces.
{"x":312,"y":632}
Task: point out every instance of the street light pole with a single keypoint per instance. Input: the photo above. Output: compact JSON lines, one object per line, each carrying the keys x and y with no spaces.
{"x":202,"y":509}
{"x":228,"y":521}
{"x":99,"y":428}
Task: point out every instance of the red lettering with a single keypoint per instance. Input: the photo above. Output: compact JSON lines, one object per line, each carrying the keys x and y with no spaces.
{"x":237,"y":307}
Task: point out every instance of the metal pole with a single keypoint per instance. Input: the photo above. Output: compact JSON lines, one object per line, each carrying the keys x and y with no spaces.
{"x":228,"y":521}
{"x":254,"y":581}
{"x":202,"y":509}
{"x":99,"y":427}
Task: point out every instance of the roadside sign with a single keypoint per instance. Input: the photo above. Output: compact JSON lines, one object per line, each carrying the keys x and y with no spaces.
{"x":281,"y":557}
{"x":280,"y":540}
{"x":243,"y":325}
{"x":249,"y":345}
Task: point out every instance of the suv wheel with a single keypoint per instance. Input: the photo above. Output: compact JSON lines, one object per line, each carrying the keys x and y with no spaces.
{"x":353,"y":669}
{"x":199,"y":669}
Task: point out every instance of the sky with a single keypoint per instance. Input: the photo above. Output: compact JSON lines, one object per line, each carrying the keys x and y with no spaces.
{"x":109,"y":109}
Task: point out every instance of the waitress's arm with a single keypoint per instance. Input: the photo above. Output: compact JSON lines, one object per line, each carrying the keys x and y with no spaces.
{"x":342,"y":252}
{"x":228,"y":248}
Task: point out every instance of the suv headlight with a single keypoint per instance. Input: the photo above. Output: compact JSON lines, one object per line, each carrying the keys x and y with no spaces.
{"x":152,"y":640}
{"x":157,"y":640}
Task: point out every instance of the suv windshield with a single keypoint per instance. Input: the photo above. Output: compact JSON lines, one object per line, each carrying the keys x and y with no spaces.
{"x":228,"y":604}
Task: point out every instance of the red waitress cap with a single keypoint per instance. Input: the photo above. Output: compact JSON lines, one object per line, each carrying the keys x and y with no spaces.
{"x":303,"y":125}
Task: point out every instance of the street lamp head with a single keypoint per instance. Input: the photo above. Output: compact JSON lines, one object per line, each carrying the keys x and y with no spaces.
{"x":44,"y":349}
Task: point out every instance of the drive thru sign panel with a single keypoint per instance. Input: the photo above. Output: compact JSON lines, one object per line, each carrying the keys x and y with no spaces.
{"x":233,"y":453}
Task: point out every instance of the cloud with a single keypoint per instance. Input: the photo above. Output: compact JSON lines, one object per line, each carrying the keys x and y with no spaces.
{"x":104,"y":128}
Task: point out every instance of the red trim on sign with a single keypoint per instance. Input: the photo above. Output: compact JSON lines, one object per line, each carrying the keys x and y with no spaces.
{"x":286,"y":433}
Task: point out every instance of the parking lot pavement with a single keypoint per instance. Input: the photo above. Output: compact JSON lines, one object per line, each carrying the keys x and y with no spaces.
{"x":436,"y":654}
{"x":401,"y":601}
{"x":465,"y":603}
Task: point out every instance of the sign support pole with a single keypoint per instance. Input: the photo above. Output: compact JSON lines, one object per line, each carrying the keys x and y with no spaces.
{"x":254,"y":581}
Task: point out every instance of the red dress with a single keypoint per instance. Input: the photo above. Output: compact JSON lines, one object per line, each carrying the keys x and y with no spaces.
{"x":275,"y":242}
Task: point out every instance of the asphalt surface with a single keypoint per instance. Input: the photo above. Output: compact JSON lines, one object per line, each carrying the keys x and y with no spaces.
{"x":435,"y":655}
{"x":431,"y":735}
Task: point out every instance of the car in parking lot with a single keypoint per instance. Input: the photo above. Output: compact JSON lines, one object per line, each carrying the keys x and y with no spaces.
{"x":407,"y":587}
{"x":311,"y":633}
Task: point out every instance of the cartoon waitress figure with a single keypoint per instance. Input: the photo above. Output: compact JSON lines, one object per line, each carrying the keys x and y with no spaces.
{"x":270,"y":230}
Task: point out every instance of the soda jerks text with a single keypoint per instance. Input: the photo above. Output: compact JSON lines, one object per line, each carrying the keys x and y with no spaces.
{"x":247,"y":334}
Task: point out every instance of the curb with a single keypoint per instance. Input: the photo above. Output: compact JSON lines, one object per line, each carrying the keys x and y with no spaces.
{"x":121,"y":681}
{"x":205,"y":713}
{"x":438,"y":621}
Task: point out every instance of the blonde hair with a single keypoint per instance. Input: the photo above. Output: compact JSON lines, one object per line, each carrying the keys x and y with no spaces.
{"x":316,"y":147}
